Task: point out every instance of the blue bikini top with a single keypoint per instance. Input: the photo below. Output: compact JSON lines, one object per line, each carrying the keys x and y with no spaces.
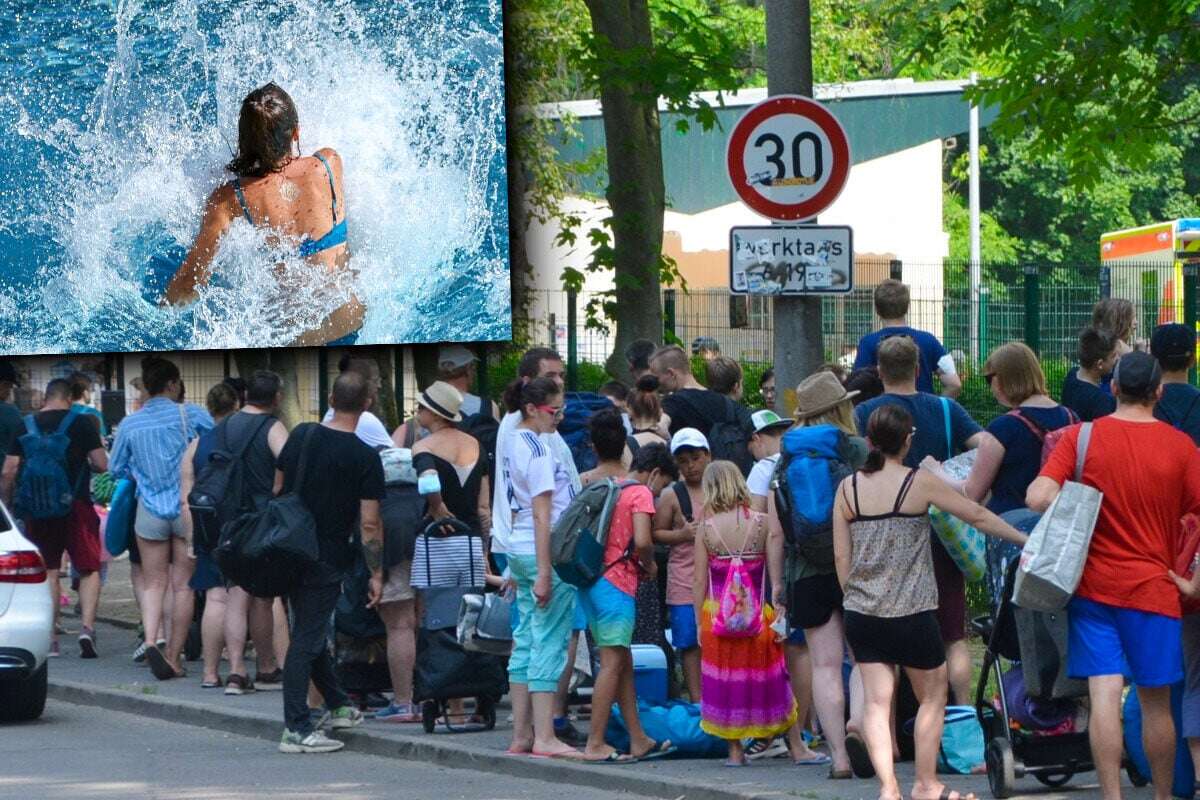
{"x":308,"y":247}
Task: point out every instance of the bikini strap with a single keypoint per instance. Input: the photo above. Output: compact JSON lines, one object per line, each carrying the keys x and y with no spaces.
{"x":241,"y":198}
{"x":332,"y":191}
{"x":904,"y":487}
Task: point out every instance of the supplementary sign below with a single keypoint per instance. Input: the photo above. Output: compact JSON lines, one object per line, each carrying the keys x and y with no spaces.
{"x":791,"y":259}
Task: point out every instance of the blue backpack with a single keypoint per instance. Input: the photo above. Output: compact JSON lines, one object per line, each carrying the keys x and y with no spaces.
{"x":812,"y":464}
{"x":44,"y":490}
{"x":573,"y":427}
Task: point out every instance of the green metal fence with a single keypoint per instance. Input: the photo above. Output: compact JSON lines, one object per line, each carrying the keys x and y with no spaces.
{"x":1045,"y":305}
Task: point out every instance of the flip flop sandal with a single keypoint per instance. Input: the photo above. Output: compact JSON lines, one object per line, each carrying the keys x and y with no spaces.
{"x":840,"y":774}
{"x":744,"y":762}
{"x":612,"y":758}
{"x":860,"y":758}
{"x":159,"y":665}
{"x":565,"y":755}
{"x":217,"y":684}
{"x":659,"y":750}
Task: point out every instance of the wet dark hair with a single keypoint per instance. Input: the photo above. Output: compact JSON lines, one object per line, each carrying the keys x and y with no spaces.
{"x":157,"y":372}
{"x":537,"y":391}
{"x":655,"y":456}
{"x":644,"y":402}
{"x":865,"y":381}
{"x":262,"y":388}
{"x":607,"y":431}
{"x":265,"y":126}
{"x":887,"y":430}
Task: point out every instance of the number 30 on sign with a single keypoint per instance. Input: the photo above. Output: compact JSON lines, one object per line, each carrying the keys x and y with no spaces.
{"x":788,"y":158}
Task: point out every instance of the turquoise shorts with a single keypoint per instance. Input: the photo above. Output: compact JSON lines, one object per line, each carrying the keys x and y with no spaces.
{"x":610,"y":614}
{"x":540,"y":639}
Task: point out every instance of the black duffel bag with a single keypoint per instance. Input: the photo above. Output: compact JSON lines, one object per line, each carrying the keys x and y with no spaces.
{"x":268,"y":552}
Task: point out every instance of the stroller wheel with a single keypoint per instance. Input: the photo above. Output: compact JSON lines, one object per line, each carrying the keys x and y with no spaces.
{"x":1054,"y":779}
{"x":429,"y":715}
{"x":485,"y":709}
{"x":1000,"y":769}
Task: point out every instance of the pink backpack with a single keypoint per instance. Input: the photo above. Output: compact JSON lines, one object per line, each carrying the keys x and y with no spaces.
{"x":739,"y":613}
{"x":1049,"y":439}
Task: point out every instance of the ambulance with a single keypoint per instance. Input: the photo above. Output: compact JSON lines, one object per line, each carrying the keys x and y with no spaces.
{"x":1146,"y":266}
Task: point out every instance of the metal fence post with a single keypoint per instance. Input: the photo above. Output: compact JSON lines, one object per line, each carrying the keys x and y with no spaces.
{"x":553,"y":340}
{"x":985,"y":295}
{"x":896,"y":270}
{"x":1105,"y":283}
{"x":483,"y":378}
{"x":1033,"y":314}
{"x":668,"y":314}
{"x":1191,"y":271}
{"x":572,"y":342}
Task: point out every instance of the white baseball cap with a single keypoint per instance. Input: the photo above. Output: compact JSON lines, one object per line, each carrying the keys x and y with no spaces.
{"x":688,"y":437}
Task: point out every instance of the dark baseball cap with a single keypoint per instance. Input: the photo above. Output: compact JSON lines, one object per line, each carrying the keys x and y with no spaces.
{"x":1137,"y":374}
{"x":1172,"y":341}
{"x":8,"y":373}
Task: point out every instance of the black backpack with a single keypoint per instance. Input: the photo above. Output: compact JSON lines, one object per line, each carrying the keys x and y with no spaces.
{"x":268,"y":552}
{"x":402,"y":514}
{"x":729,"y":439}
{"x":485,"y":428}
{"x":219,"y":494}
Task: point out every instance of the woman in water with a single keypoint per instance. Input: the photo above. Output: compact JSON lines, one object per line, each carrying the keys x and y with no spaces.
{"x":296,"y":197}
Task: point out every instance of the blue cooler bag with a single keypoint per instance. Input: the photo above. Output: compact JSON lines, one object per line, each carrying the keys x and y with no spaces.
{"x":675,"y":721}
{"x":961,"y":752}
{"x":118,"y":529}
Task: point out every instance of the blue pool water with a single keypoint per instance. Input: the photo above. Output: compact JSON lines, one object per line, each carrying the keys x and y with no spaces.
{"x":117,"y":119}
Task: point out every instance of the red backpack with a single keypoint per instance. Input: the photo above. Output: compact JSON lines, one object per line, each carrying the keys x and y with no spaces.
{"x":1048,"y":438}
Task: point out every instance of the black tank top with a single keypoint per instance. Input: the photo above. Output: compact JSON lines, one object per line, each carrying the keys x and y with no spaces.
{"x":259,"y":466}
{"x":460,"y":496}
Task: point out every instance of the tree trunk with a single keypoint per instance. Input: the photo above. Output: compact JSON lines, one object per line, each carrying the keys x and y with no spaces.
{"x":635,"y":191}
{"x":518,"y":258}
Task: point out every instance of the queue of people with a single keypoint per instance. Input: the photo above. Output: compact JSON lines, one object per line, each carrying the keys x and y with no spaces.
{"x":769,"y":586}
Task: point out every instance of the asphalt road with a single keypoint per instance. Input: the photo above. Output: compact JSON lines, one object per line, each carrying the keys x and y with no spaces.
{"x":84,"y":752}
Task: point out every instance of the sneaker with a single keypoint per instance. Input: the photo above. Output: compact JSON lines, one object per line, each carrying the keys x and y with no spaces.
{"x":404,"y":712}
{"x":315,"y":742}
{"x":54,"y":652}
{"x":238,"y":684}
{"x":87,"y":643}
{"x":766,"y":748}
{"x":319,"y":717}
{"x":345,"y":717}
{"x":269,"y":681}
{"x":139,"y":653}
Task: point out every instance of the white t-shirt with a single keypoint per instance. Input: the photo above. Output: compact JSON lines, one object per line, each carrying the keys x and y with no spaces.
{"x":370,"y":430}
{"x":530,"y":469}
{"x":502,"y":517}
{"x":763,"y":471}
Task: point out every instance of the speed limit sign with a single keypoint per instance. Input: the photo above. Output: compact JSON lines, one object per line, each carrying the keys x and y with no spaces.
{"x":788,"y":158}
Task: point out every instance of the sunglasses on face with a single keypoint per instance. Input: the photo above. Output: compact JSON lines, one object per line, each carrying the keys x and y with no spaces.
{"x":554,"y":411}
{"x":988,"y":377}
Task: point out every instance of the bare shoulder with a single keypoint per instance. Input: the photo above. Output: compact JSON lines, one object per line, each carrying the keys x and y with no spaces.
{"x":331,"y":155}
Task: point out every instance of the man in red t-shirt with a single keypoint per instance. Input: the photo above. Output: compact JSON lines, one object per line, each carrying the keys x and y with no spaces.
{"x":1124,"y":618}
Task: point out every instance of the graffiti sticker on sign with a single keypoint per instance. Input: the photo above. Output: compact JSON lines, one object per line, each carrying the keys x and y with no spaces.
{"x":791,"y":259}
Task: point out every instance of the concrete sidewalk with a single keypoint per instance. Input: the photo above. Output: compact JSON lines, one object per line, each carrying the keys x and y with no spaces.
{"x":114,"y":682}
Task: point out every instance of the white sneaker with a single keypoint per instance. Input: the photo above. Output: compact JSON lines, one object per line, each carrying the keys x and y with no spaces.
{"x":315,"y":742}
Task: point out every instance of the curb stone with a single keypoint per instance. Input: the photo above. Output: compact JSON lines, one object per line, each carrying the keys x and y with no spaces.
{"x":430,"y":750}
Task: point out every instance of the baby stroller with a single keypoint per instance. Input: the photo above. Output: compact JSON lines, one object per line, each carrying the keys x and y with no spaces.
{"x":444,"y":670}
{"x":1014,"y":749}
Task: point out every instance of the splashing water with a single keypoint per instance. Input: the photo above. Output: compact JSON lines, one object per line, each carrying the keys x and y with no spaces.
{"x":118,"y":120}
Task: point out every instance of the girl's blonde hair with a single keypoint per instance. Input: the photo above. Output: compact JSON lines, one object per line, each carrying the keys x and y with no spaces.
{"x":840,"y":416}
{"x":724,"y":487}
{"x":1016,"y":368}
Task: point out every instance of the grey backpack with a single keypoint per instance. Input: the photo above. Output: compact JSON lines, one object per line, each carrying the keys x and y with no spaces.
{"x":579,"y":537}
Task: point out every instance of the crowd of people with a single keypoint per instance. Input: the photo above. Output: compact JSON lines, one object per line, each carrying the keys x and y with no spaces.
{"x":764,"y":583}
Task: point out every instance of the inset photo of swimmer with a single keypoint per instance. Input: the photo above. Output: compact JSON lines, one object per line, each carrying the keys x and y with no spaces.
{"x":197,"y":176}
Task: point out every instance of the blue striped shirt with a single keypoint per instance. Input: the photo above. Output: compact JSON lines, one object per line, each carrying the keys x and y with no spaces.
{"x":149,"y":448}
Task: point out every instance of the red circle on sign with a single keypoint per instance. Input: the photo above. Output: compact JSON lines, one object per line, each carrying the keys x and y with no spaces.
{"x":788,"y":104}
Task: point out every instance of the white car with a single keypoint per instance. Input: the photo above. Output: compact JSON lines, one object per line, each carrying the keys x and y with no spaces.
{"x":26,"y":624}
